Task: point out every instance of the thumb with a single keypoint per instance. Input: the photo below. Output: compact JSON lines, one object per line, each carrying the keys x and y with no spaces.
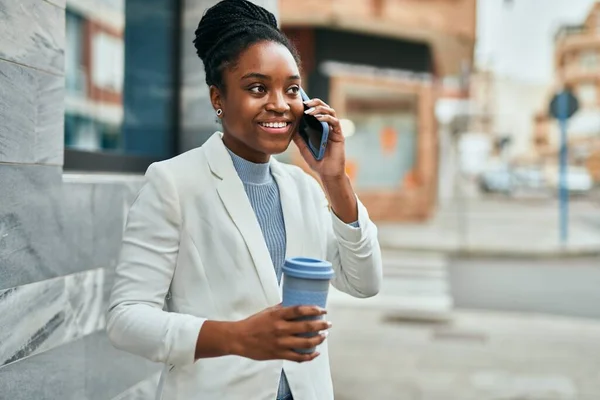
{"x":303,"y":147}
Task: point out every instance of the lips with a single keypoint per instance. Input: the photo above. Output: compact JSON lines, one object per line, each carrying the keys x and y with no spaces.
{"x":274,"y":128}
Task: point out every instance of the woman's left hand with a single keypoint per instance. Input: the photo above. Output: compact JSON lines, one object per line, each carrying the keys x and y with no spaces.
{"x":333,"y":164}
{"x":332,"y":168}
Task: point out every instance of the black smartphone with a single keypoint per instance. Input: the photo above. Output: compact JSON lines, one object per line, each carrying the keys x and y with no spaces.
{"x":313,"y":132}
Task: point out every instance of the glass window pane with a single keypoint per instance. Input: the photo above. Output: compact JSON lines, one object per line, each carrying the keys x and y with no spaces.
{"x":120,"y":76}
{"x":587,"y":93}
{"x":589,"y":60}
{"x":382,"y":149}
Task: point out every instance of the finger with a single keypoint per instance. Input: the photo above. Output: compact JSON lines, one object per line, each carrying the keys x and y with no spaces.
{"x":320,"y":110}
{"x":330,"y":119}
{"x":293,"y":312}
{"x":295,"y":342}
{"x":296,"y":327}
{"x":274,"y":310}
{"x":315,"y":102}
{"x":336,"y":134}
{"x":291,"y":355}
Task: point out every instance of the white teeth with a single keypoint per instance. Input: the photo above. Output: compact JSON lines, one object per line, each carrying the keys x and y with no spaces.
{"x":274,"y":124}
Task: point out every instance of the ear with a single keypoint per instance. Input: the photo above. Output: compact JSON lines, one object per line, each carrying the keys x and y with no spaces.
{"x":216,"y":98}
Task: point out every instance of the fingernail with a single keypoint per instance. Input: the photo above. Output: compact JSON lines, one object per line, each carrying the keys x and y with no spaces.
{"x":309,"y":110}
{"x":325,"y":334}
{"x":329,"y":324}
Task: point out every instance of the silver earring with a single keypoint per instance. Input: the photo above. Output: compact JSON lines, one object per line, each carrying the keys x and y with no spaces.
{"x":219,"y":112}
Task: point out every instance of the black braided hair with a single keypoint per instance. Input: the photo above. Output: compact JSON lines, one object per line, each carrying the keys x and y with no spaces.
{"x":230,"y":27}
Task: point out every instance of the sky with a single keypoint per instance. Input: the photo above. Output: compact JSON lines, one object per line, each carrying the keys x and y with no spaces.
{"x":515,"y":37}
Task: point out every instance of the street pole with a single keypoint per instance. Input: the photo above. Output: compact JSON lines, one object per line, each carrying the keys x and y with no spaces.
{"x":563,"y":189}
{"x":463,"y":215}
{"x":563,"y":106}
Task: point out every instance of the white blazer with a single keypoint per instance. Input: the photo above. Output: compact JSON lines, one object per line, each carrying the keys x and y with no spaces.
{"x":193,"y":250}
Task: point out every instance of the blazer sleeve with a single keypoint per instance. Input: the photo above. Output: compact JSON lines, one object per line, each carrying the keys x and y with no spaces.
{"x":136,"y":321}
{"x":354,"y":251}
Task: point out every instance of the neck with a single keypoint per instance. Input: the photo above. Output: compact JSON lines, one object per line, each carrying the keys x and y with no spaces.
{"x":241,"y":150}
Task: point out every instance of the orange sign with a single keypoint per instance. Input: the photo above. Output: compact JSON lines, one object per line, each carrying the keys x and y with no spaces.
{"x":410,"y":181}
{"x":351,"y":169}
{"x":389,"y":139}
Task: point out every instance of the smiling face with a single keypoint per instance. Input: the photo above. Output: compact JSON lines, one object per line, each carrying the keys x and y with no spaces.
{"x":261,"y":104}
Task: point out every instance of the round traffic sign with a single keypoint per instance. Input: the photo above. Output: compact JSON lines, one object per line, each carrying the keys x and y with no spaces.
{"x":564,"y":104}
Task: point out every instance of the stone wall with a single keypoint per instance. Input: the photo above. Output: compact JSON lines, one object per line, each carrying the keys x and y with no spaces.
{"x":58,"y":236}
{"x":60,"y":233}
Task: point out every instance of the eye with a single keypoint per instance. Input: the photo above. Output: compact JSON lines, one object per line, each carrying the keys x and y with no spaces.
{"x":258,"y":89}
{"x":294,"y":90}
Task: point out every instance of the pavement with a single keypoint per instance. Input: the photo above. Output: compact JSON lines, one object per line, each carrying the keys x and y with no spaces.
{"x":478,"y":355}
{"x":418,"y":340}
{"x":415,"y":286}
{"x":500,"y":227}
{"x":558,"y":286}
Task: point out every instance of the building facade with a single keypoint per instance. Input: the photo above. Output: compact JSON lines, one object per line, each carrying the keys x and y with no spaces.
{"x":502,"y":108}
{"x":577,"y":67}
{"x":383,"y":64}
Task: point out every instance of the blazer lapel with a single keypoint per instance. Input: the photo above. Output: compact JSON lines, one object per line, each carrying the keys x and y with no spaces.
{"x":292,"y":210}
{"x":234,"y":198}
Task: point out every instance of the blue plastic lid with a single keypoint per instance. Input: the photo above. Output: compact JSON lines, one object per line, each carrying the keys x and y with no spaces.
{"x":308,"y":268}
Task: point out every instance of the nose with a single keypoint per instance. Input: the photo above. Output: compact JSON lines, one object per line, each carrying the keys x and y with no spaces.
{"x":277,"y":103}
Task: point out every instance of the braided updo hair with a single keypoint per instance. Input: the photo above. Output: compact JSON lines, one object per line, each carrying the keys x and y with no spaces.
{"x":230,"y":27}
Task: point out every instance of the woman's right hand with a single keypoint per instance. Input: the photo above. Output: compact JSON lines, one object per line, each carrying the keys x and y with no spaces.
{"x":271,"y":333}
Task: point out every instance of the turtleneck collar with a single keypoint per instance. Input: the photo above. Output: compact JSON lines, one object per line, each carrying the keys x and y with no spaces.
{"x":249,"y":172}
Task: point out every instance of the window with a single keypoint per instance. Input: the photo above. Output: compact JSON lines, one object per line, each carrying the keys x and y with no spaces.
{"x":587,"y":93}
{"x":108,"y":62}
{"x":382,"y":150}
{"x":588,"y":60}
{"x":75,"y":73}
{"x":121,"y":83}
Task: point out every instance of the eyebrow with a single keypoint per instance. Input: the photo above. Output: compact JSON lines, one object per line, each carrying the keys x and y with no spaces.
{"x":257,"y":75}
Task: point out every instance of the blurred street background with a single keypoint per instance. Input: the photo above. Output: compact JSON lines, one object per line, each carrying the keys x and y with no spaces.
{"x":487,"y":204}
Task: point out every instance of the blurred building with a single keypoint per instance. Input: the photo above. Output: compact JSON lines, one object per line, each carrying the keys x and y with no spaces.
{"x":118,"y":105}
{"x":577,"y":63}
{"x":502,"y":109}
{"x":94,"y":74}
{"x":383,"y":64}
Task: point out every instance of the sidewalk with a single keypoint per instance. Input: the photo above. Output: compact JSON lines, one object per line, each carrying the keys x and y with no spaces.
{"x":479,"y":355}
{"x":498,"y":227}
{"x":415,"y":286}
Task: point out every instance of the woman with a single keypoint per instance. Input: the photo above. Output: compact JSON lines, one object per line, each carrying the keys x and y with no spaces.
{"x":197,"y":285}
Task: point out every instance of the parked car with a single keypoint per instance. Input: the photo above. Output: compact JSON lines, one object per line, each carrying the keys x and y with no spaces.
{"x":506,"y":179}
{"x":509,"y":180}
{"x":497,"y":180}
{"x":578,"y":179}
